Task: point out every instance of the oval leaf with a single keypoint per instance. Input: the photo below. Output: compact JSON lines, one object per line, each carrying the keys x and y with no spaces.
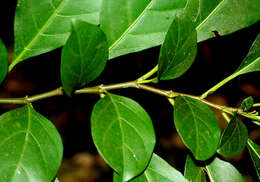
{"x":84,"y":56}
{"x":178,"y":50}
{"x":222,"y":16}
{"x":157,"y":170}
{"x":3,"y":61}
{"x":194,"y":172}
{"x":234,"y":138}
{"x":43,"y":26}
{"x":137,"y":25}
{"x":247,"y":103}
{"x":219,"y":171}
{"x":30,"y":147}
{"x":123,"y":134}
{"x":198,"y":127}
{"x":254,"y":151}
{"x":251,"y":62}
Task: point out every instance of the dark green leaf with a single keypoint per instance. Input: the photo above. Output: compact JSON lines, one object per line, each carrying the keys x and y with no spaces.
{"x":3,"y":61}
{"x":84,"y":56}
{"x":134,"y":25}
{"x":41,"y":26}
{"x":219,"y":171}
{"x":123,"y":134}
{"x":222,"y":16}
{"x":157,"y":170}
{"x":178,"y":50}
{"x":234,"y":138}
{"x":198,"y":127}
{"x":251,"y":62}
{"x":30,"y":147}
{"x":247,"y":103}
{"x":254,"y":151}
{"x":193,"y":172}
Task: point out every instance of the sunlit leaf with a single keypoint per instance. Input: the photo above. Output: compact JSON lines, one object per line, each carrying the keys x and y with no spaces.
{"x":123,"y":134}
{"x":178,"y":50}
{"x":135,"y":25}
{"x":41,"y":26}
{"x":194,"y":172}
{"x":197,"y":126}
{"x":157,"y":170}
{"x":219,"y":171}
{"x":84,"y":56}
{"x":254,"y":151}
{"x":234,"y":138}
{"x":223,"y":16}
{"x":3,"y":61}
{"x":30,"y":147}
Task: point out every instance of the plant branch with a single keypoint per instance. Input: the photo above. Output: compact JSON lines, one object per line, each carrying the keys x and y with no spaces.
{"x":143,"y":79}
{"x":100,"y":89}
{"x":256,"y":105}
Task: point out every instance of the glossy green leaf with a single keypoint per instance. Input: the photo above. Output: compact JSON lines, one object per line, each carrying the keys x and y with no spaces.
{"x":123,"y":134}
{"x":254,"y":151}
{"x":219,"y":171}
{"x":41,"y":26}
{"x":223,"y":16}
{"x":247,"y":103}
{"x":234,"y":138}
{"x":194,"y":172}
{"x":197,"y":126}
{"x":157,"y":170}
{"x":135,"y":25}
{"x":84,"y":56}
{"x":30,"y":147}
{"x":251,"y":62}
{"x":178,"y":50}
{"x":3,"y":61}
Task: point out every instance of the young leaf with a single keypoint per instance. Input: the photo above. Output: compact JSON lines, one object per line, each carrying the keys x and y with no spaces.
{"x":123,"y":134}
{"x":219,"y":171}
{"x":134,"y":25}
{"x":247,"y":103}
{"x":234,"y":138}
{"x":222,"y":16}
{"x":84,"y":56}
{"x":251,"y":62}
{"x":157,"y":170}
{"x":41,"y":26}
{"x":178,"y":50}
{"x":254,"y":151}
{"x":3,"y":61}
{"x":30,"y":147}
{"x":198,"y":127}
{"x":193,"y":172}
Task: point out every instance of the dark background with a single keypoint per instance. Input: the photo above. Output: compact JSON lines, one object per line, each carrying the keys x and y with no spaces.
{"x":217,"y":58}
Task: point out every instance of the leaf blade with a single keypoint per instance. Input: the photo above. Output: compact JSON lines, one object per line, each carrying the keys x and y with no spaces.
{"x":84,"y":56}
{"x":254,"y":151}
{"x":38,"y":147}
{"x":3,"y":61}
{"x":197,"y":126}
{"x":194,"y":172}
{"x":125,"y":136}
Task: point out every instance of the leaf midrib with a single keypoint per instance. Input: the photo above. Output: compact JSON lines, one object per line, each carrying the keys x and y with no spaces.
{"x":42,"y":29}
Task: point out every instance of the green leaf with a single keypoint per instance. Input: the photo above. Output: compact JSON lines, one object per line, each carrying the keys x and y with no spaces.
{"x":251,"y":62}
{"x":247,"y":103}
{"x":223,"y":16}
{"x":56,"y":180}
{"x":219,"y":171}
{"x":134,"y":25}
{"x":178,"y":50}
{"x":157,"y":170}
{"x":123,"y":134}
{"x":254,"y":151}
{"x":234,"y":138}
{"x":30,"y":147}
{"x":84,"y":56}
{"x":193,"y":172}
{"x":43,"y":26}
{"x":198,"y":127}
{"x":3,"y":61}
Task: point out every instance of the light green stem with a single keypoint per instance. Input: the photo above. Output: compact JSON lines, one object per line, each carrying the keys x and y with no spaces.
{"x":256,"y":105}
{"x":143,"y":78}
